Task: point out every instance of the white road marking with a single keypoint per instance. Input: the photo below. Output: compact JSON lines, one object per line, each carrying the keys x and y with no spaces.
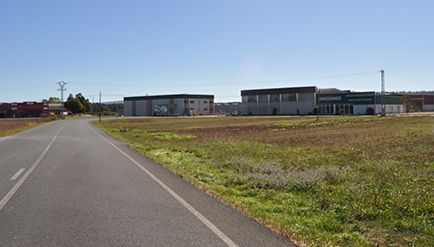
{"x":184,"y":203}
{"x":3,"y":139}
{"x":20,"y":182}
{"x":14,"y":177}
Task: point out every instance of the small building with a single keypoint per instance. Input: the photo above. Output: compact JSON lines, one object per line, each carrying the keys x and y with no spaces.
{"x":28,"y":109}
{"x":279,"y":101}
{"x":423,"y":101}
{"x":358,"y":103}
{"x":169,"y":105}
{"x":55,"y":108}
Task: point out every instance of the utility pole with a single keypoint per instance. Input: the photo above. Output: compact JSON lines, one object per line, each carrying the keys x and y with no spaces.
{"x":62,"y":89}
{"x":383,"y":91}
{"x":93,"y":106}
{"x":317,"y":104}
{"x":100,"y":107}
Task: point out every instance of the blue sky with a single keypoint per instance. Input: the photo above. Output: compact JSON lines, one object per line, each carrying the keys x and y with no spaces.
{"x":138,"y":47}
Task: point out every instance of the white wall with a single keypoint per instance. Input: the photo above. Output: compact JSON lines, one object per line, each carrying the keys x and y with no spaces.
{"x":306,"y":107}
{"x":428,"y":107}
{"x":141,"y":108}
{"x":179,"y":106}
{"x":361,"y":109}
{"x":200,"y":105}
{"x":128,"y":108}
{"x":288,"y":108}
{"x":390,"y":109}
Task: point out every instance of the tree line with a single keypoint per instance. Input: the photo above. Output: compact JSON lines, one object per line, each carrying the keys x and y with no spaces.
{"x":79,"y":104}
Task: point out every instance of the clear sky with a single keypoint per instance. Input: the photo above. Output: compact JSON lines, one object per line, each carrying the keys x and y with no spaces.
{"x":138,"y":47}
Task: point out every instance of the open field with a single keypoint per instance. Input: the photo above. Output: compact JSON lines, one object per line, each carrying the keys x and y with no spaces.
{"x":12,"y":126}
{"x":342,"y":181}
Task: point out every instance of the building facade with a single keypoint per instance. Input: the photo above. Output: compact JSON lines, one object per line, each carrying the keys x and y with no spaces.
{"x":5,"y":110}
{"x":279,"y":101}
{"x":359,"y":103}
{"x":169,"y":105}
{"x":29,"y":109}
{"x":306,"y":100}
{"x":422,"y":101}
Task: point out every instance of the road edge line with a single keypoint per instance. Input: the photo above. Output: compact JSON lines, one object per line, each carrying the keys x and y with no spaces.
{"x":20,"y":182}
{"x":183,"y":202}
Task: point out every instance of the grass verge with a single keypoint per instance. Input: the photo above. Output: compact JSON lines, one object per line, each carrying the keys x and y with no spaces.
{"x":12,"y":126}
{"x":340,"y":181}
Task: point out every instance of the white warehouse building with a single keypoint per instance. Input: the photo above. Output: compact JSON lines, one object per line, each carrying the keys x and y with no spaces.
{"x":169,"y":105}
{"x":279,"y":101}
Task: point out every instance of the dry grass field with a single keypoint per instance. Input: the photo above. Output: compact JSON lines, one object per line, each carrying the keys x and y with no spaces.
{"x":341,"y":181}
{"x":12,"y":126}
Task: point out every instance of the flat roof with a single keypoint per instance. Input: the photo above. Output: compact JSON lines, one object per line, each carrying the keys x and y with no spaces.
{"x":310,"y":89}
{"x":169,"y":96}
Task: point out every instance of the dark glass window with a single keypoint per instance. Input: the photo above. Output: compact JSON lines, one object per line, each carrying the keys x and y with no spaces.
{"x":274,"y":98}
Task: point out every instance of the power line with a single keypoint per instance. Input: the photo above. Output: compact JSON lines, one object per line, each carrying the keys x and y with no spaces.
{"x":62,"y":88}
{"x":20,"y":58}
{"x":190,"y":84}
{"x":17,"y":75}
{"x":18,"y":72}
{"x":180,"y":84}
{"x":24,"y":87}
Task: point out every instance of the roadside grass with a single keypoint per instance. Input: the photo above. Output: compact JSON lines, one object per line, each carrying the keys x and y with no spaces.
{"x":12,"y":126}
{"x":341,"y":181}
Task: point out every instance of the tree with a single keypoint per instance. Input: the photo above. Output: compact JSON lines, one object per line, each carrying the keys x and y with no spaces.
{"x":51,"y":100}
{"x":74,"y":105}
{"x":54,"y":100}
{"x":85,"y":102}
{"x":409,"y":105}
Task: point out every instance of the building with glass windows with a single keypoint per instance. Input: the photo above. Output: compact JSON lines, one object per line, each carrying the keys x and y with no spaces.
{"x":279,"y":101}
{"x":359,"y":103}
{"x":303,"y":101}
{"x":169,"y":105}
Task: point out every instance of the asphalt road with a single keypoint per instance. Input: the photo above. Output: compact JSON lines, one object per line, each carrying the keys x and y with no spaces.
{"x":66,"y":183}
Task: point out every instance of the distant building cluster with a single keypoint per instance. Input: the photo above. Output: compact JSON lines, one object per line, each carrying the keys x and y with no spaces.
{"x":280,"y":101}
{"x":29,"y":109}
{"x":269,"y":101}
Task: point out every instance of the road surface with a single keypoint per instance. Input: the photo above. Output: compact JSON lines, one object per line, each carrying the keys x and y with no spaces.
{"x":66,"y":183}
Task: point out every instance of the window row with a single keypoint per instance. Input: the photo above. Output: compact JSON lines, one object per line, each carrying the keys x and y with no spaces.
{"x":275,"y":98}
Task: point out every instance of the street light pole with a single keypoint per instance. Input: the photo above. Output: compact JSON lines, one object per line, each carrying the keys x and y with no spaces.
{"x":317,"y":103}
{"x":383,"y":91}
{"x":100,"y":106}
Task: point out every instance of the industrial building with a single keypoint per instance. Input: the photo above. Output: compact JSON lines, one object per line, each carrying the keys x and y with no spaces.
{"x":279,"y":101}
{"x":423,"y":101}
{"x":303,"y":101}
{"x":359,"y":103}
{"x":29,"y":109}
{"x":169,"y":105}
